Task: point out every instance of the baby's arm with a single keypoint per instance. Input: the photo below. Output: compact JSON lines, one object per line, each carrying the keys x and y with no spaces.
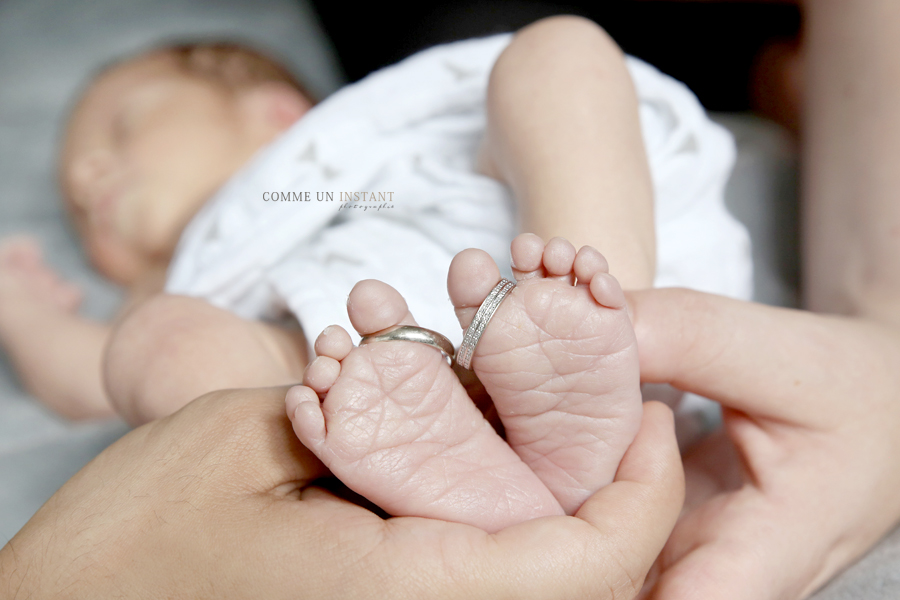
{"x":56,"y":352}
{"x":563,"y":132}
{"x":161,"y":352}
{"x":172,"y":349}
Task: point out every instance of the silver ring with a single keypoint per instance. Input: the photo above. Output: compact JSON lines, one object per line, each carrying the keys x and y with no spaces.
{"x":479,"y":323}
{"x":411,"y":333}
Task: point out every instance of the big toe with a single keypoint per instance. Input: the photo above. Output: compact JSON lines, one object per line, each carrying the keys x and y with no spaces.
{"x":473,"y":274}
{"x":374,"y":305}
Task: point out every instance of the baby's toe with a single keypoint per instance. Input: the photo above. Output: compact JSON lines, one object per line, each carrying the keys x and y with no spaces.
{"x":305,"y":412}
{"x":473,"y":274}
{"x":606,"y":291}
{"x":334,"y":342}
{"x":588,"y":263}
{"x":321,"y":374}
{"x":559,"y":256}
{"x":374,"y":306}
{"x":527,"y":253}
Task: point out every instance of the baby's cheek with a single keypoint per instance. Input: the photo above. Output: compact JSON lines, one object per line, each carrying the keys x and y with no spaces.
{"x":114,"y":259}
{"x":153,"y":228}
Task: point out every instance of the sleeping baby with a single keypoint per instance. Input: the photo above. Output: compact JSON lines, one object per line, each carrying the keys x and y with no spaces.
{"x":241,"y":219}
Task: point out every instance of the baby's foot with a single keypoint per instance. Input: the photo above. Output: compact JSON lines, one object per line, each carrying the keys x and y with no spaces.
{"x":559,"y":360}
{"x":26,"y":281}
{"x":397,"y":427}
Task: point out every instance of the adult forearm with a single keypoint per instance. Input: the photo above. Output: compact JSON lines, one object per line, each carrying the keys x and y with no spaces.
{"x":851,"y":223}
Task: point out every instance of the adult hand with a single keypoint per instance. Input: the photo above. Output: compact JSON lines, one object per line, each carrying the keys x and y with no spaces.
{"x":811,"y":406}
{"x":215,"y":501}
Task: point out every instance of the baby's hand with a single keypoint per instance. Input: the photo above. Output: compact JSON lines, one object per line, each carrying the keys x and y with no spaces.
{"x":25,"y":278}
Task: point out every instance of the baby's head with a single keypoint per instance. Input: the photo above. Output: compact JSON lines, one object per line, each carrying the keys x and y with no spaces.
{"x":153,"y":137}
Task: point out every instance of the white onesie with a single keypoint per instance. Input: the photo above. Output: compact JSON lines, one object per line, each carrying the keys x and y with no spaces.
{"x":409,"y":133}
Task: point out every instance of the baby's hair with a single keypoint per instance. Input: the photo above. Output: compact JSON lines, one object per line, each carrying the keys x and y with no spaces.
{"x":232,"y":65}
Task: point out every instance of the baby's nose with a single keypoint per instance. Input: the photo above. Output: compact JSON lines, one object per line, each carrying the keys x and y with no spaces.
{"x":90,"y":177}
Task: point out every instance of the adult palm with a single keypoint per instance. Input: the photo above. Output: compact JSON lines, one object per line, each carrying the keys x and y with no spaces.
{"x":216,"y":501}
{"x":806,"y":474}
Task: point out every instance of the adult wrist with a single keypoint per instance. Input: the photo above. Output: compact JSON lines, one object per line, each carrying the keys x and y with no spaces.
{"x":12,"y":574}
{"x":20,"y":573}
{"x":46,"y":559}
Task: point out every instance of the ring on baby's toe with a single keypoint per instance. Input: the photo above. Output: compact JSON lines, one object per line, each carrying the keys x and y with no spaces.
{"x":476,"y":328}
{"x":411,"y":333}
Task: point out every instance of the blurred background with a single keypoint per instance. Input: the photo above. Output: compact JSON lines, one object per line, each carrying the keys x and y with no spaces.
{"x":729,"y":53}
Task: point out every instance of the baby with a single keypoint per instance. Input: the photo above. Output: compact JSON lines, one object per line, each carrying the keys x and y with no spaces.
{"x":149,"y":143}
{"x":155,"y":138}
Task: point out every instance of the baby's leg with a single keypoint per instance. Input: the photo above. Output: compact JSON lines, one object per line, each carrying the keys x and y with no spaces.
{"x":559,"y":360}
{"x":172,"y":349}
{"x":563,"y":132}
{"x":396,"y":426}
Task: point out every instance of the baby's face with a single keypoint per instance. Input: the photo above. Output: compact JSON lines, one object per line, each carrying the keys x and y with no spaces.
{"x":145,"y":148}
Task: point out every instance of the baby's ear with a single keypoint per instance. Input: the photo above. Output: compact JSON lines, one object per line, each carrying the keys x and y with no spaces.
{"x":272,"y":107}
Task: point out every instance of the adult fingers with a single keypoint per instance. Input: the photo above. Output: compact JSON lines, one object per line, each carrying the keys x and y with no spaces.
{"x":638,"y":511}
{"x":607,"y":550}
{"x":765,"y":360}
